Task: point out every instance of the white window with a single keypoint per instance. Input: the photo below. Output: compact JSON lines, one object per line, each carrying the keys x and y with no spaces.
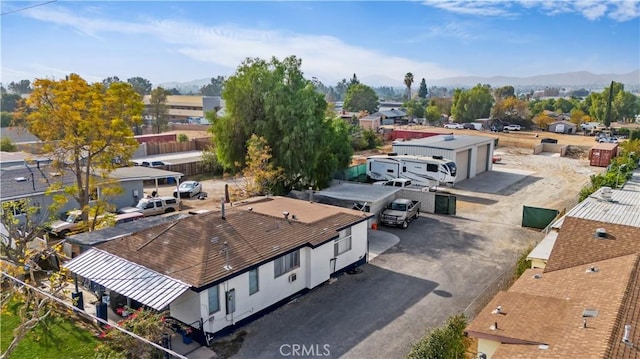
{"x":343,"y":243}
{"x":254,"y":287}
{"x":214,"y":300}
{"x":286,"y":263}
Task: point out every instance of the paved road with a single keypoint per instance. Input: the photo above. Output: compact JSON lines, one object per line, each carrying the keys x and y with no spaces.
{"x":439,"y":266}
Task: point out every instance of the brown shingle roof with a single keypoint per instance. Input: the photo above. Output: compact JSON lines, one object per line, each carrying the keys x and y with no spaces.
{"x":551,"y":308}
{"x":192,"y":249}
{"x":578,"y":245}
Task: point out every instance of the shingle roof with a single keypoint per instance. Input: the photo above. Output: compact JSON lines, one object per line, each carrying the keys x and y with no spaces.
{"x":21,"y":181}
{"x":192,"y":249}
{"x":549,"y":310}
{"x":18,"y":135}
{"x":577,"y":243}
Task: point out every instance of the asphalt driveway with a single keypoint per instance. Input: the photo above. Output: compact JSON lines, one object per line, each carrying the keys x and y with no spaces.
{"x":438,"y":267}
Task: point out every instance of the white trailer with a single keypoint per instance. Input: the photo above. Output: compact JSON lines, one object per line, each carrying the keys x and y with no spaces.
{"x":422,"y":170}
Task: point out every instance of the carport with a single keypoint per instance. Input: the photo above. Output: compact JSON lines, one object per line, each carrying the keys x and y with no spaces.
{"x":141,"y":173}
{"x":363,"y":197}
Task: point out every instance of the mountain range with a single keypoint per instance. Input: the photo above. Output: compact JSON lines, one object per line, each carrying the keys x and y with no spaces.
{"x":579,"y":79}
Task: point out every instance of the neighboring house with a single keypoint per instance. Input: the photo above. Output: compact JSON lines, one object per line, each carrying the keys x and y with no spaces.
{"x":563,"y":126}
{"x":583,"y":301}
{"x":371,"y":122}
{"x":22,"y":138}
{"x":189,"y":108}
{"x":218,"y":270}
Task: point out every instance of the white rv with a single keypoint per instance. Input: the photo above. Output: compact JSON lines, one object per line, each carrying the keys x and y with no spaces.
{"x":422,"y":170}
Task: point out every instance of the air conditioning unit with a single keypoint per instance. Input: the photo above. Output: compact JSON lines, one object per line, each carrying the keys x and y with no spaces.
{"x":292,"y":278}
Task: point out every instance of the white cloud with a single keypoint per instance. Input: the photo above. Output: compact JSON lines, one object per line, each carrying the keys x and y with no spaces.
{"x":618,"y":10}
{"x":325,"y":57}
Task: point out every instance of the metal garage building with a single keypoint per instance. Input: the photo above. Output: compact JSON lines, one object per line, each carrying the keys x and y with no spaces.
{"x":472,"y":154}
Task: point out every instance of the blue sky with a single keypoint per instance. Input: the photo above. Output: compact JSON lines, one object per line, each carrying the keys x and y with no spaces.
{"x":167,"y":41}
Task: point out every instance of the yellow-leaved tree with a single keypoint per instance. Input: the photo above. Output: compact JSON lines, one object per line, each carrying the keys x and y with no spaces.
{"x":87,"y":129}
{"x":543,"y":121}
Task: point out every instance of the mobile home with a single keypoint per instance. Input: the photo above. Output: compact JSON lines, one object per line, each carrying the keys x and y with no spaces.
{"x":423,"y":170}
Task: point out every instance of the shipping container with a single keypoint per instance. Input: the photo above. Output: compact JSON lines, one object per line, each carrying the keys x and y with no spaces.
{"x":601,"y":154}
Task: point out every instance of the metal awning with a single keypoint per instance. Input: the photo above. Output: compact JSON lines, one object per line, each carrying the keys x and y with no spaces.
{"x":144,"y":285}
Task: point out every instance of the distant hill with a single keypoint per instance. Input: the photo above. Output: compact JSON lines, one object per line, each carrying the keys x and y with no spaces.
{"x":568,"y":79}
{"x":580,"y":79}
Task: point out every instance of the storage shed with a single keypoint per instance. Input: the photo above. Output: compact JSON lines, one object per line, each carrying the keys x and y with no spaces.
{"x":563,"y":127}
{"x":472,"y":154}
{"x":601,"y":154}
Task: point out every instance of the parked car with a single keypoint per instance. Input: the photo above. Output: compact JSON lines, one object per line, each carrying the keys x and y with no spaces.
{"x":457,"y":126}
{"x":153,"y":164}
{"x":152,"y":206}
{"x":511,"y":128}
{"x":400,"y":212}
{"x":188,"y":189}
{"x":72,"y":223}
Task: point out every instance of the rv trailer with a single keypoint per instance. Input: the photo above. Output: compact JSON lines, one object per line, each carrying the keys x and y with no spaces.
{"x":422,"y":170}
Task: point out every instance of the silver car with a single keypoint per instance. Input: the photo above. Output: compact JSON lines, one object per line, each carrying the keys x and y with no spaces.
{"x":188,"y":189}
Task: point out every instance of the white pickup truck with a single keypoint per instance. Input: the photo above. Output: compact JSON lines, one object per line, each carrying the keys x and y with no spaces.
{"x":403,"y":183}
{"x":154,"y":205}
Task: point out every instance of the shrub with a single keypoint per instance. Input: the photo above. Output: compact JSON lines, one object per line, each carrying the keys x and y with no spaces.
{"x":445,"y":342}
{"x":183,"y":138}
{"x":7,"y":146}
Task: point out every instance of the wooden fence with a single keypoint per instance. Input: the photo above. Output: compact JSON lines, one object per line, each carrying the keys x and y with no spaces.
{"x":195,"y":144}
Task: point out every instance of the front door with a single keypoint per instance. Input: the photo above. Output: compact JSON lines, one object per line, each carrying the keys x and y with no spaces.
{"x":231,"y":301}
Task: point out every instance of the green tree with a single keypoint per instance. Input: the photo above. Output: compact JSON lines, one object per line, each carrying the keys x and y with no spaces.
{"x":416,"y":107}
{"x":214,"y":88}
{"x":21,"y":87}
{"x":261,"y":176}
{"x":504,"y":92}
{"x":354,"y":80}
{"x":85,"y":127}
{"x":607,"y":117}
{"x":361,"y":98}
{"x":183,"y":138}
{"x":10,"y":101}
{"x":341,"y":89}
{"x":140,"y":85}
{"x":422,"y":90}
{"x":6,"y":119}
{"x":273,"y":100}
{"x":472,"y":104}
{"x":625,"y":106}
{"x":110,"y":80}
{"x":433,"y":114}
{"x":408,"y":81}
{"x":158,"y":109}
{"x":563,"y":105}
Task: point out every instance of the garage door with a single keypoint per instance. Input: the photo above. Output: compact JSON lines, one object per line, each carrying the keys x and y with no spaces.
{"x":462,"y":162}
{"x":482,"y":159}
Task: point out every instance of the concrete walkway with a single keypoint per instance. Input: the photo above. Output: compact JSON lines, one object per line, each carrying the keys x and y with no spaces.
{"x":380,"y":242}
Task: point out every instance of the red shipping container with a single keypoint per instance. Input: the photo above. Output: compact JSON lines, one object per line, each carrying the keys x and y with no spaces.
{"x":601,"y":154}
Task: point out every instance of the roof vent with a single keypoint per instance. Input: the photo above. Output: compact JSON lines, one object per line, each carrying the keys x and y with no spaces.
{"x":606,"y":193}
{"x":449,"y":137}
{"x":601,"y":233}
{"x":591,"y":270}
{"x":21,"y":179}
{"x":392,"y":154}
{"x":286,"y":215}
{"x":543,"y":346}
{"x":537,"y":276}
{"x":494,"y":326}
{"x":625,"y":337}
{"x":498,"y":310}
{"x":589,"y":313}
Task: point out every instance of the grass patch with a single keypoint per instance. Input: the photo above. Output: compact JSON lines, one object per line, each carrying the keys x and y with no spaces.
{"x":56,"y":337}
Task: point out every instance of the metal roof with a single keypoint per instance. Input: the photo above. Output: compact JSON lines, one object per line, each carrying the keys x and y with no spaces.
{"x":127,"y":278}
{"x":447,"y":142}
{"x":141,"y":172}
{"x":107,"y":234}
{"x":622,"y":208}
{"x":544,"y":248}
{"x":358,"y":192}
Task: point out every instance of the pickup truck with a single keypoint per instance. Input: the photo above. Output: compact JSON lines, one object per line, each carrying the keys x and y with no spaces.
{"x":404,"y":183}
{"x":400,"y":212}
{"x":152,"y":206}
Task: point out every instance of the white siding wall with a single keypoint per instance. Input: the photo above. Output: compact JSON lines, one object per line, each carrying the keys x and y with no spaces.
{"x":313,"y":271}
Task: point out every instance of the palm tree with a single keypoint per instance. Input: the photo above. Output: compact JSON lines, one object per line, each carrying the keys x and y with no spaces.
{"x":408,"y":81}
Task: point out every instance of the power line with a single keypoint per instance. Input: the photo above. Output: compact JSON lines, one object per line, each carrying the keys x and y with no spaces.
{"x":28,"y":7}
{"x":48,"y":295}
